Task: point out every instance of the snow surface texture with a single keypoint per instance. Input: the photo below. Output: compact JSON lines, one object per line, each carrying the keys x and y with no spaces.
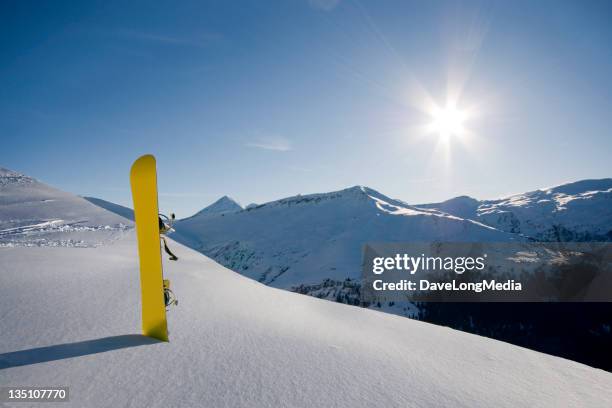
{"x":580,"y":211}
{"x":34,"y":214}
{"x":70,"y":317}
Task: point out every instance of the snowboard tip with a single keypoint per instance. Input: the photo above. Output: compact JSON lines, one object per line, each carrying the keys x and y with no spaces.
{"x":144,"y":161}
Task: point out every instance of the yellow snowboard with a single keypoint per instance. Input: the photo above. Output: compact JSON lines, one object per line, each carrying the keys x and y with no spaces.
{"x":143,"y":178}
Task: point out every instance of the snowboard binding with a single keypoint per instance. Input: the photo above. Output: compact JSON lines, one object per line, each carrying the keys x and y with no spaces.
{"x":169,"y":296}
{"x":165,"y":227}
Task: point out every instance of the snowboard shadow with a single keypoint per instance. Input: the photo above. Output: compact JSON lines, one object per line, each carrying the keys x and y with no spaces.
{"x":70,"y":350}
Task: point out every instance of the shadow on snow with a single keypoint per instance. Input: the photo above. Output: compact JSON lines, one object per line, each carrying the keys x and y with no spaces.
{"x":69,"y":350}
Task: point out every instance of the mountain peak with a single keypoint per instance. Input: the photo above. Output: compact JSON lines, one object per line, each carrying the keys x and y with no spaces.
{"x":357,"y":188}
{"x":351,"y":193}
{"x":223,"y":205}
{"x":360,"y":190}
{"x":226,"y":200}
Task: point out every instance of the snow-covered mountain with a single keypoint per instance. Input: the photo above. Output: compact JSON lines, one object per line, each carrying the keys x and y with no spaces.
{"x":317,"y":239}
{"x":32,"y":213}
{"x":224,"y":205}
{"x":312,"y":244}
{"x":70,"y":317}
{"x":580,"y":211}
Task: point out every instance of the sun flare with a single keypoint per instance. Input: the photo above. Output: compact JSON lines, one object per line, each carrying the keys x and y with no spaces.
{"x":448,"y":121}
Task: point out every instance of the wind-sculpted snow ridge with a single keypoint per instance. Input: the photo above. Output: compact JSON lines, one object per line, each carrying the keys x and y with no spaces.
{"x":34,"y":214}
{"x":237,"y":343}
{"x":580,"y":211}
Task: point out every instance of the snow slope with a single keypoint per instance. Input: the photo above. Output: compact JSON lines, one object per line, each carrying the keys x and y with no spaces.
{"x":125,"y":212}
{"x":314,"y":238}
{"x":579,"y":211}
{"x":34,"y":214}
{"x":237,"y":343}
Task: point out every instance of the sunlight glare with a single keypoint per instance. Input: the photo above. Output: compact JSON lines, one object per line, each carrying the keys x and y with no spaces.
{"x":448,"y":121}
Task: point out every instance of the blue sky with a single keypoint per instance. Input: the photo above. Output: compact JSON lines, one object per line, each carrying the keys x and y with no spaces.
{"x":261,"y":99}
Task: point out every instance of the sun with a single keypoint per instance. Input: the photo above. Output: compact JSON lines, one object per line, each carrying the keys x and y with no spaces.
{"x":448,"y":121}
